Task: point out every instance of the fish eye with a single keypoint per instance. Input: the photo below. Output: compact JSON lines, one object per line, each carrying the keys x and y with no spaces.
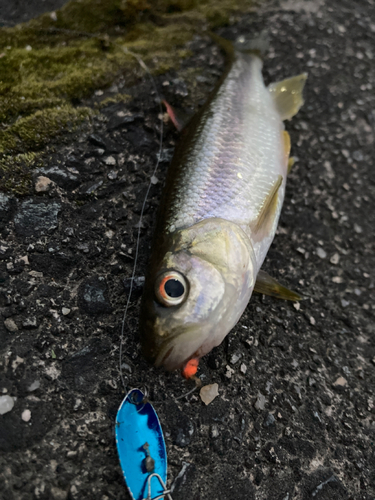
{"x":170,"y":288}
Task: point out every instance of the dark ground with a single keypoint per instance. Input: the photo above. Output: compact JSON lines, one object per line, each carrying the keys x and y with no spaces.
{"x":314,"y":437}
{"x":20,"y":11}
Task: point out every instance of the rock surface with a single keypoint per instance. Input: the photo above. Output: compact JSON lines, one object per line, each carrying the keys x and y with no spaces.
{"x":295,"y":416}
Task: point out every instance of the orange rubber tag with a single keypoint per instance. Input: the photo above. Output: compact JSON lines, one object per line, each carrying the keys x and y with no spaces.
{"x":191,"y":368}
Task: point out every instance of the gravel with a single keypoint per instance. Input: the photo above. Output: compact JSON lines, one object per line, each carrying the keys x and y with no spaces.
{"x":295,"y":414}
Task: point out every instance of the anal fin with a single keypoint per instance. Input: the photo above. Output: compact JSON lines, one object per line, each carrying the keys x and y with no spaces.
{"x":269,"y":286}
{"x":287,"y":95}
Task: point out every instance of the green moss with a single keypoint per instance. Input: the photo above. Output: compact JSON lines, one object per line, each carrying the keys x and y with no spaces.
{"x":49,"y":64}
{"x":39,"y":129}
{"x":109,"y":101}
{"x":15,"y":172}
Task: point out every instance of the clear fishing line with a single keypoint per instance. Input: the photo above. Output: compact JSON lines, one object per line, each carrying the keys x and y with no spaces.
{"x":159,"y":154}
{"x":145,"y":68}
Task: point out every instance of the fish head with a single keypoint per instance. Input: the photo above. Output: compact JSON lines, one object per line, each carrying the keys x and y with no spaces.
{"x":195,"y":292}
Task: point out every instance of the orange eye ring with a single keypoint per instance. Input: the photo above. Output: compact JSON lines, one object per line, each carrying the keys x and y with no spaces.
{"x":171,"y":288}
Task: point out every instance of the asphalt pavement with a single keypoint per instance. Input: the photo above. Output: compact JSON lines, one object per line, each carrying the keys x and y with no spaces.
{"x":295,"y":415}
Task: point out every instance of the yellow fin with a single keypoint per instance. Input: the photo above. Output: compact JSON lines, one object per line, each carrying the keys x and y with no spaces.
{"x":269,"y":208}
{"x":269,"y":286}
{"x":291,"y":162}
{"x":287,"y":95}
{"x":286,"y":141}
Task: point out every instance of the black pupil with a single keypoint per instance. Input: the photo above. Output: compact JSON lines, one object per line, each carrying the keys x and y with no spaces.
{"x":174,"y":288}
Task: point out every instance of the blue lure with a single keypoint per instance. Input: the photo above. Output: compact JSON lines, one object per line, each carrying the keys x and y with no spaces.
{"x":141,"y":448}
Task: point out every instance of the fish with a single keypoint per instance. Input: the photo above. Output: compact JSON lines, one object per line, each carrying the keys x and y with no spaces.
{"x":218,"y":214}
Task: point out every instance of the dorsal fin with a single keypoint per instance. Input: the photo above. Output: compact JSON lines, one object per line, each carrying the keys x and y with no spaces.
{"x":287,"y":95}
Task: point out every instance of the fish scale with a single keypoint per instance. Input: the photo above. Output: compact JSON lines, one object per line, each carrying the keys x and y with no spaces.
{"x":231,"y":166}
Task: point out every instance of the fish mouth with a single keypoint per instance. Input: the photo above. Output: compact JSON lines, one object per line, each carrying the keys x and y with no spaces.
{"x":164,"y":359}
{"x":175,"y":354}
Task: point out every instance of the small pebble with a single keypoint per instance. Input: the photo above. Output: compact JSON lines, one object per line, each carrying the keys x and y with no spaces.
{"x":337,"y":279}
{"x":340,"y":382}
{"x":6,"y":404}
{"x":214,"y":431}
{"x":30,"y":323}
{"x":335,"y":259}
{"x":110,"y":161}
{"x":24,"y":259}
{"x":17,"y":362}
{"x":321,"y":253}
{"x":357,"y":229}
{"x":43,"y":184}
{"x":243,"y":368}
{"x":269,"y":421}
{"x":65,"y":311}
{"x":34,"y":386}
{"x":10,"y":325}
{"x":112,"y":175}
{"x":235,"y":357}
{"x":260,"y":402}
{"x":36,"y":274}
{"x":26,"y":415}
{"x":208,"y":393}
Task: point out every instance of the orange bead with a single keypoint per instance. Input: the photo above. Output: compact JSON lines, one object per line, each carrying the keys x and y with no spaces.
{"x":191,"y":368}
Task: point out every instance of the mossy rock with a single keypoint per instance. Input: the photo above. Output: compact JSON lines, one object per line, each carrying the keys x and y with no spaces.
{"x":48,"y":65}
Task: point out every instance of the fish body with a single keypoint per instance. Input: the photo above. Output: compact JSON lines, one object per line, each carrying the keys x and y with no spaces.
{"x":219,"y":214}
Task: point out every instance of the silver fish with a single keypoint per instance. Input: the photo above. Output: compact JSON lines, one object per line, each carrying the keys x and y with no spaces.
{"x":219,"y":214}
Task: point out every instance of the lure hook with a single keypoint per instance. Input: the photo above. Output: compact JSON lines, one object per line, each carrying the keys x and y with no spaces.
{"x":166,"y":493}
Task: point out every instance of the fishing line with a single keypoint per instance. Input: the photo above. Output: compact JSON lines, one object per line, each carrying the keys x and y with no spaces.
{"x":159,"y":155}
{"x":145,"y":68}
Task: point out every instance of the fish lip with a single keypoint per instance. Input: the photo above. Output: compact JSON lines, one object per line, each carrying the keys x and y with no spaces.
{"x":162,"y":358}
{"x":165,"y":351}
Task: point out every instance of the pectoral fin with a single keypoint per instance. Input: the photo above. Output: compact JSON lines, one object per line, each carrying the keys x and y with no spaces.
{"x":178,"y":117}
{"x":287,"y":95}
{"x":269,"y":286}
{"x":268,"y":211}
